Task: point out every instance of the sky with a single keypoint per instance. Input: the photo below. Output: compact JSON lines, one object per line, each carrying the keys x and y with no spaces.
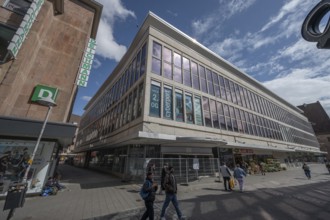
{"x":260,"y":37}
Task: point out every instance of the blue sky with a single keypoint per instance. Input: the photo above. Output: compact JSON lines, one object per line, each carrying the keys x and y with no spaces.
{"x":260,"y":37}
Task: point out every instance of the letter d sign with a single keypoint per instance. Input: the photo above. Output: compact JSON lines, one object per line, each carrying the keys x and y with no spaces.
{"x":41,"y":91}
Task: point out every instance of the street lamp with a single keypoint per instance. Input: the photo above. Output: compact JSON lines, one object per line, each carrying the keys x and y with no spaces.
{"x":45,"y":102}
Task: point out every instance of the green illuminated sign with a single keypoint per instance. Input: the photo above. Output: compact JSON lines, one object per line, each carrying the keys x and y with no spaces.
{"x":41,"y":92}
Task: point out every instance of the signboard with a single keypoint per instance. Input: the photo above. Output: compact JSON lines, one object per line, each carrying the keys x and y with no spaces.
{"x":41,"y":92}
{"x":86,"y":63}
{"x":195,"y":164}
{"x":155,"y":100}
{"x":24,"y":27}
{"x":168,"y":103}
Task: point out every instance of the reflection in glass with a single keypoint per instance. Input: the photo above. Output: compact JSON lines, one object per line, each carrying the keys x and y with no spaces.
{"x":198,"y":110}
{"x":179,"y":106}
{"x":189,"y":109}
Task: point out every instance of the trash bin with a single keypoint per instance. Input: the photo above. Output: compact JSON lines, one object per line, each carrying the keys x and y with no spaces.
{"x":15,"y":196}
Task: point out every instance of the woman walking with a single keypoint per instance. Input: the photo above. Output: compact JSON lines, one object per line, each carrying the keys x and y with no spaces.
{"x":239,"y":175}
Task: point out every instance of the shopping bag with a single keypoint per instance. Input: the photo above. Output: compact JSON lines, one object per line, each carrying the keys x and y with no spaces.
{"x":232,"y":183}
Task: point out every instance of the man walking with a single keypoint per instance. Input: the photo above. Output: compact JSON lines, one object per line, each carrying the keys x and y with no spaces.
{"x":225,"y":172}
{"x":307,"y":171}
{"x":170,"y":190}
{"x":162,"y":178}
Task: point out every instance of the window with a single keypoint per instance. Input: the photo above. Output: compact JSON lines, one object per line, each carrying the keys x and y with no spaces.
{"x":203,"y":78}
{"x":198,"y":110}
{"x":18,"y":6}
{"x":168,"y":103}
{"x":140,"y":103}
{"x":186,"y":72}
{"x":195,"y":76}
{"x":216,"y":84}
{"x":222,"y":88}
{"x":143,"y":59}
{"x":6,"y":34}
{"x":155,"y":99}
{"x":135,"y":104}
{"x":214,"y":114}
{"x":209,"y":81}
{"x":189,"y":109}
{"x":179,"y":105}
{"x":156,"y":58}
{"x":167,"y":57}
{"x":177,"y":75}
{"x":206,"y":111}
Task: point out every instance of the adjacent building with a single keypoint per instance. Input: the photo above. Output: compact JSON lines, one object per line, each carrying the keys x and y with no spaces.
{"x":171,"y":97}
{"x":42,"y":44}
{"x":321,"y":124}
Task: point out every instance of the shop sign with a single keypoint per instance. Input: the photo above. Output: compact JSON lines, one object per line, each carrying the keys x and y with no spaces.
{"x":154,"y":100}
{"x":86,"y":63}
{"x":168,"y":103}
{"x":41,"y":92}
{"x":24,"y":27}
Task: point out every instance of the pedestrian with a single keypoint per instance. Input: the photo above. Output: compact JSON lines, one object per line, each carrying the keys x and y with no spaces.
{"x":150,"y":187}
{"x":239,"y":175}
{"x":262,"y":168}
{"x":162,"y":178}
{"x":170,"y":191}
{"x":307,"y":170}
{"x":226,"y":175}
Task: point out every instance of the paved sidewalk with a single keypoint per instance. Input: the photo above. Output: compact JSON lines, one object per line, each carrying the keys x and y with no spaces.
{"x":93,"y":195}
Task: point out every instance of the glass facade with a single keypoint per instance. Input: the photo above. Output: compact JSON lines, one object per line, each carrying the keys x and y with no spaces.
{"x":233,"y":108}
{"x":120,"y":104}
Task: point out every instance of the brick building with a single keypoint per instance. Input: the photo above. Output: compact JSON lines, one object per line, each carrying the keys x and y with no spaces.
{"x":42,"y":45}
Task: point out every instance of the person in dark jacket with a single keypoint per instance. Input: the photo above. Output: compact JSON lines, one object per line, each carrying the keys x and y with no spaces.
{"x":162,"y":178}
{"x":171,"y":190}
{"x":307,"y":171}
{"x":150,"y":187}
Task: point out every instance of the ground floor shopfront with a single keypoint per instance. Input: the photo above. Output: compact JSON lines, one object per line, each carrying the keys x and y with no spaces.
{"x":130,"y":162}
{"x":18,"y":139}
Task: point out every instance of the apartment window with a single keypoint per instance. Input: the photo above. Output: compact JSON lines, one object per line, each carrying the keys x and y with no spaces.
{"x":18,"y":6}
{"x":168,"y":103}
{"x":198,"y":110}
{"x":155,"y":99}
{"x":179,"y":105}
{"x":221,"y":116}
{"x":167,"y":58}
{"x":6,"y":34}
{"x":216,"y":84}
{"x":189,"y":109}
{"x":209,"y":81}
{"x":222,"y":88}
{"x":156,"y":58}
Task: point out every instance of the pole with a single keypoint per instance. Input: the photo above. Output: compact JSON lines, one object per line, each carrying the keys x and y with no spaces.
{"x":37,"y":145}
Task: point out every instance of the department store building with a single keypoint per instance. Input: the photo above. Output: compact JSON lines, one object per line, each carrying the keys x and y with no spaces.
{"x":171,"y":97}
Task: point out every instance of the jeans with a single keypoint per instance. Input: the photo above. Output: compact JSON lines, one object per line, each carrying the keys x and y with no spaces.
{"x":171,"y":197}
{"x":150,"y":210}
{"x":240,"y":183}
{"x":226,"y":182}
{"x":308,"y":173}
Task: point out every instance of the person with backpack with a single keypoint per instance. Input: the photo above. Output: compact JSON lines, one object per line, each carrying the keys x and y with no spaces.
{"x":307,"y":171}
{"x":162,"y":178}
{"x":148,"y":194}
{"x":170,"y":190}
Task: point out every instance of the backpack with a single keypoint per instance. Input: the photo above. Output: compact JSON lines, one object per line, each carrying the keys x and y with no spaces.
{"x":144,"y":194}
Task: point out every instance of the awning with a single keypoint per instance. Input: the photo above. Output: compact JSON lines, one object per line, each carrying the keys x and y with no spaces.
{"x":21,"y":128}
{"x":258,"y":147}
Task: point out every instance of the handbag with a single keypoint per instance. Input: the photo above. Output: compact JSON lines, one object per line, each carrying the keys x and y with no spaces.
{"x":232,"y":182}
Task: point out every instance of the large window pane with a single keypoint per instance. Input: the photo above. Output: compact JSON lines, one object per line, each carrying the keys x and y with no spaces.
{"x":203,"y":78}
{"x":198,"y":110}
{"x":179,"y":106}
{"x":207,"y":114}
{"x":194,"y":72}
{"x":167,"y":55}
{"x":140,"y":103}
{"x":189,"y":109}
{"x":214,"y":114}
{"x":156,"y":50}
{"x":168,"y":103}
{"x":156,"y":66}
{"x":154,"y":100}
{"x":143,"y":59}
{"x":177,"y":75}
{"x":209,"y":82}
{"x":168,"y":70}
{"x":177,"y":60}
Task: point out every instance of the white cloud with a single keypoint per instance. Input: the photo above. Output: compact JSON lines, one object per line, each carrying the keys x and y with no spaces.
{"x":107,"y":46}
{"x":96,"y":63}
{"x":86,"y":98}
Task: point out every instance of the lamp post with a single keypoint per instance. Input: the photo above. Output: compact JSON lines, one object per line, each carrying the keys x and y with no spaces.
{"x":45,"y":102}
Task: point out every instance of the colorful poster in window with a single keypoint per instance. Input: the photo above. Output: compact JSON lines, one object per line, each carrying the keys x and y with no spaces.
{"x":179,"y":106}
{"x":168,"y":104}
{"x":198,"y":111}
{"x":189,"y":110}
{"x":155,"y":101}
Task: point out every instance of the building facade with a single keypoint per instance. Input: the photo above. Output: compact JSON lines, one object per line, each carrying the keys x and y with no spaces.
{"x":321,"y":125}
{"x":170,"y":96}
{"x":41,"y":48}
